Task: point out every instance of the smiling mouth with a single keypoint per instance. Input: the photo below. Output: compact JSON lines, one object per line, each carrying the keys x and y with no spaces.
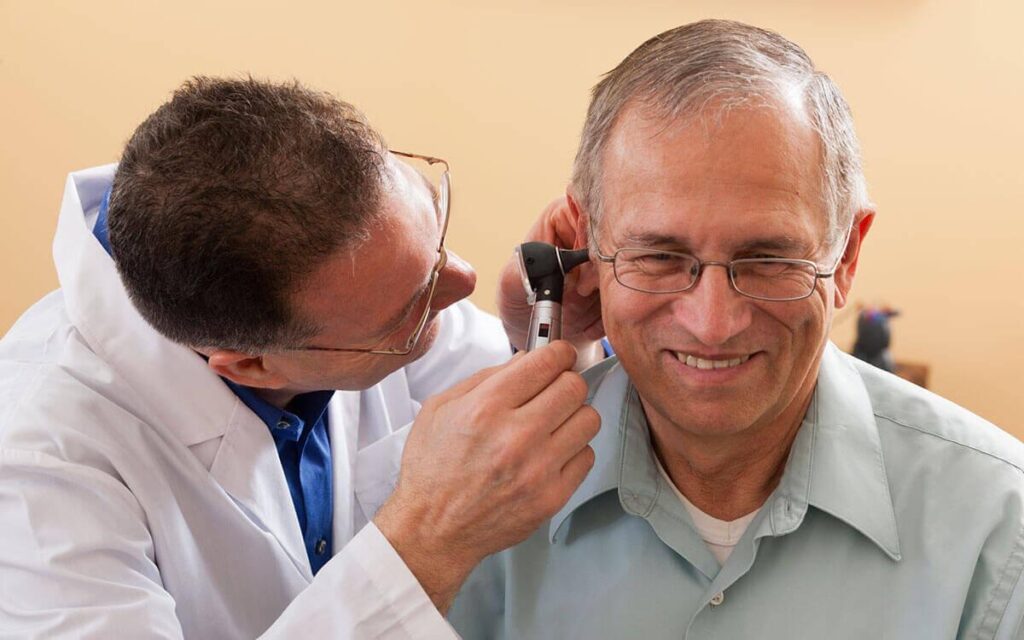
{"x":704,"y":364}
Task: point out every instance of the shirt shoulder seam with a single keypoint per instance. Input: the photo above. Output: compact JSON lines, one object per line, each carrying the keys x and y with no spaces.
{"x":983,"y":452}
{"x":1010,"y":574}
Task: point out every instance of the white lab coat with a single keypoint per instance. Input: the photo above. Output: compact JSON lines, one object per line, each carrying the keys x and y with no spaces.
{"x":140,"y":498}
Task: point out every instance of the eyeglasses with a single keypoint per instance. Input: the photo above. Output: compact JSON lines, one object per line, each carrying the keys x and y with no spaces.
{"x":772,"y":279}
{"x":444,"y":191}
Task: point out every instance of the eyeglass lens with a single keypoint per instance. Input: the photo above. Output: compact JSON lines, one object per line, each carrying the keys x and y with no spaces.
{"x":664,"y":272}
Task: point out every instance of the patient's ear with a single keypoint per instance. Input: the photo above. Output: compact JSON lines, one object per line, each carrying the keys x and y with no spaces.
{"x":586,"y":281}
{"x":244,"y":369}
{"x":578,"y":220}
{"x":847,"y":267}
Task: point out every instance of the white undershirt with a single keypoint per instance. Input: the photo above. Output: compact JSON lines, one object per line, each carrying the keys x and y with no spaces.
{"x":721,"y":536}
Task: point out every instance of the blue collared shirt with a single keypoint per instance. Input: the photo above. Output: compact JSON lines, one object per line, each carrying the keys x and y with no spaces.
{"x":300,"y":433}
{"x":899,"y":515}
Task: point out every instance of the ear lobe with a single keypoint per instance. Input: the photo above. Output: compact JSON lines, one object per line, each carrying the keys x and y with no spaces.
{"x":847,"y":268}
{"x":245,"y":369}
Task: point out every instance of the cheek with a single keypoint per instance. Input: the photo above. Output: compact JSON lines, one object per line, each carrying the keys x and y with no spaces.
{"x":629,"y":316}
{"x":804,"y":325}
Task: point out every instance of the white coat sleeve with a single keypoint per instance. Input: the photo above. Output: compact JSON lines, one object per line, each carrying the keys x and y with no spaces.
{"x":83,"y":570}
{"x":89,"y":571}
{"x":365,"y":591}
{"x":468,"y":340}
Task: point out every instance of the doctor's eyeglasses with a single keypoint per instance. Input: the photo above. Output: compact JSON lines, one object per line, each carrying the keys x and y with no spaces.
{"x":443,"y":190}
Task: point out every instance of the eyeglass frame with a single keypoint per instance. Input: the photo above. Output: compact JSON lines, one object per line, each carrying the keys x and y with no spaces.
{"x":728,"y":266}
{"x":445,"y":200}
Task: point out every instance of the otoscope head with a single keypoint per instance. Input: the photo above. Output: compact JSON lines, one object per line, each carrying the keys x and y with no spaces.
{"x":543,"y":267}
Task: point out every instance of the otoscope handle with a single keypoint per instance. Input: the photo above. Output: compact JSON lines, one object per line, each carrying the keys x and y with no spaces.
{"x":542,"y":267}
{"x":545,"y":324}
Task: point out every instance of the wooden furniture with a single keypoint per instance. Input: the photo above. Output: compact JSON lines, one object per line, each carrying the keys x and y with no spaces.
{"x":913,"y":371}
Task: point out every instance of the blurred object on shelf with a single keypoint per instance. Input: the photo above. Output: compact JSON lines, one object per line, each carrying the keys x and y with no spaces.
{"x":874,"y":336}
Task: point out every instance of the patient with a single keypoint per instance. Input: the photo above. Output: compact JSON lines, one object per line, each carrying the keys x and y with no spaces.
{"x":751,"y":481}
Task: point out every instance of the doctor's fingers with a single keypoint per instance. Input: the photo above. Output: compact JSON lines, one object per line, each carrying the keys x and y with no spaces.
{"x":575,"y":470}
{"x":527,"y":375}
{"x":564,"y":482}
{"x":546,"y":411}
{"x":559,"y":226}
{"x":573,"y":435}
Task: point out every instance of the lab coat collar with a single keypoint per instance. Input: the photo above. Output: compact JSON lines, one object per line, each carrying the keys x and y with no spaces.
{"x":835,"y":464}
{"x":247,"y":466}
{"x":200,"y":406}
{"x":174,"y":388}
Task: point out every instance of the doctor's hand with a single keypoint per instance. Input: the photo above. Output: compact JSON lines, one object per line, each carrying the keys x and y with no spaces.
{"x":559,"y":224}
{"x":486,"y":463}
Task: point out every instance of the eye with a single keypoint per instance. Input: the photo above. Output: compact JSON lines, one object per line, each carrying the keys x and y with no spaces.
{"x":657,"y":262}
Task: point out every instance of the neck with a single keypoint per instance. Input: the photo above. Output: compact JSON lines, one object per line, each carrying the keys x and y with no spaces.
{"x":277,"y":397}
{"x":727,"y":476}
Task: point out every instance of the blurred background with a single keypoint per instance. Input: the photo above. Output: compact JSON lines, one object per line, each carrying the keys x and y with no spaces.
{"x":500,"y":90}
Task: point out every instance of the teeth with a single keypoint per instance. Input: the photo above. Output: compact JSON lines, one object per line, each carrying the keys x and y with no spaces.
{"x":700,"y":363}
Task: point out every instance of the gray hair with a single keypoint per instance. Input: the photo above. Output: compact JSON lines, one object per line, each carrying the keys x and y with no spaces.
{"x":721,"y":64}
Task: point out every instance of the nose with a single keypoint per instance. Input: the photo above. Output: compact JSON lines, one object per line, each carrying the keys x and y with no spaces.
{"x":712,"y":311}
{"x":454,"y":282}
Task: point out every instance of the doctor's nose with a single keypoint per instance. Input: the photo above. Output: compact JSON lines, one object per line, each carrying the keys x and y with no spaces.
{"x":455,"y":281}
{"x":712,"y":311}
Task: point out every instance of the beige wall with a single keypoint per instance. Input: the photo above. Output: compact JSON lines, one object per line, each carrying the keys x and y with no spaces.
{"x":500,"y":90}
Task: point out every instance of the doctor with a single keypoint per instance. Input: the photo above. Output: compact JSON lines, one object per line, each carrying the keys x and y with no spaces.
{"x":173,"y":460}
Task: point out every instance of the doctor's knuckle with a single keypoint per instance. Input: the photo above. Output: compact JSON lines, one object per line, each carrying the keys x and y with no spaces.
{"x":590,"y":419}
{"x":575,"y":387}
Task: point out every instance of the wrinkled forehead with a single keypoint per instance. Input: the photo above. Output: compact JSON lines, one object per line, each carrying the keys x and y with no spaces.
{"x":738,"y":173}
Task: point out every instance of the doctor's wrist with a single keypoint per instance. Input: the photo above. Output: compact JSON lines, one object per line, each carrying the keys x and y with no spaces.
{"x":439,"y":565}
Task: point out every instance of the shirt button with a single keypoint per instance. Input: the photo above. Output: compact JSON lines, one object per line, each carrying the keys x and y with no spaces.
{"x":283,"y":424}
{"x":717,"y":599}
{"x":321,"y":546}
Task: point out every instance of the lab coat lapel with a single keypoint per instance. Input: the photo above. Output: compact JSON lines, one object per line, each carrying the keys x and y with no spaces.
{"x":387,"y":414}
{"x":343,"y":427}
{"x":247,"y":466}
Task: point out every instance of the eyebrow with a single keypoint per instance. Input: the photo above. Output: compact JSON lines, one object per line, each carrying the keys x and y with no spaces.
{"x":402,"y":316}
{"x":780,"y":244}
{"x":435,"y":195}
{"x":430,"y":186}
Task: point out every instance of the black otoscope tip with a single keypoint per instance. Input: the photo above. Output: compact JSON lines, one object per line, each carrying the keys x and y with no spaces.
{"x":572,"y":259}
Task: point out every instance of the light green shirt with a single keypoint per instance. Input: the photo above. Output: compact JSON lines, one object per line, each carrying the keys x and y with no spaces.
{"x":899,"y":515}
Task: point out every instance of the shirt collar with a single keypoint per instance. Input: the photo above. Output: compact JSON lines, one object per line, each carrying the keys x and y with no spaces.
{"x":290,"y":422}
{"x":608,"y":384}
{"x":835,"y":465}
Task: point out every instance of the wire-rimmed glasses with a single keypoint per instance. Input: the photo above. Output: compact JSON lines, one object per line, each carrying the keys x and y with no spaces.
{"x":774,"y":279}
{"x":444,"y":191}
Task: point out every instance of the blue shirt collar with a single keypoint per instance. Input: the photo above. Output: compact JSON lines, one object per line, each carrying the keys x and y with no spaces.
{"x":288,"y":424}
{"x":100,"y":229}
{"x":835,"y":464}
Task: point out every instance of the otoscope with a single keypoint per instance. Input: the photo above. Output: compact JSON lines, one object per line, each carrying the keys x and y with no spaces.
{"x":543,"y":268}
